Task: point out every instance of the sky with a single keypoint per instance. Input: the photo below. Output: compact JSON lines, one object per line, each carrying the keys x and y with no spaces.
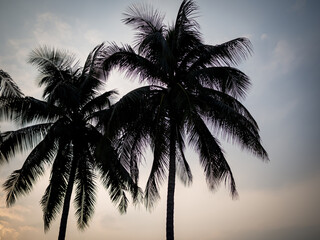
{"x":278,"y":200}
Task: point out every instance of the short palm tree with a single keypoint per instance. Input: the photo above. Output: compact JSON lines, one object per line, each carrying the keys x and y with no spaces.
{"x":194,"y":94}
{"x":61,"y":131}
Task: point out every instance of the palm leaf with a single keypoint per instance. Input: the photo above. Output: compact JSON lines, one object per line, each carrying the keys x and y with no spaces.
{"x":225,"y":79}
{"x":89,"y":79}
{"x":51,"y":62}
{"x":144,"y":19}
{"x":85,"y":190}
{"x":126,"y":59}
{"x":8,"y":88}
{"x":234,"y":126}
{"x":21,"y":140}
{"x":114,"y":176}
{"x":53,"y":197}
{"x":183,"y":168}
{"x":21,"y":181}
{"x":212,"y":158}
{"x":28,"y":110}
{"x":98,"y":103}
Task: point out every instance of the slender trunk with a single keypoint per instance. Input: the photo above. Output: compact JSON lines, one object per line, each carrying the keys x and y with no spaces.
{"x":171,"y":182}
{"x":66,"y":203}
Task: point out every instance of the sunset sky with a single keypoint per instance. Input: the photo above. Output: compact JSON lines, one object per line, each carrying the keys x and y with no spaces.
{"x":278,"y":200}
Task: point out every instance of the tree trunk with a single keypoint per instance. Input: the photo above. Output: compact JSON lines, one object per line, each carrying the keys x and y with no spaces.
{"x":171,"y":182}
{"x":66,"y":203}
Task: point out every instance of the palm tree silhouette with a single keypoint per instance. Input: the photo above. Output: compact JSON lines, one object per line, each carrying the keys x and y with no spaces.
{"x":62,"y":132}
{"x":194,"y":94}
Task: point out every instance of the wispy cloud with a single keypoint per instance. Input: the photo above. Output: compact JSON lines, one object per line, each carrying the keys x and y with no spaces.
{"x":282,"y":58}
{"x":49,"y":29}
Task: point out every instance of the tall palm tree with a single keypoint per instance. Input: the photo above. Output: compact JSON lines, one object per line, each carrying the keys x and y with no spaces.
{"x":61,"y":131}
{"x":194,"y":94}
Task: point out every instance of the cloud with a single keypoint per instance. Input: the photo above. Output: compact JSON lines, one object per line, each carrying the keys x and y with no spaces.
{"x":94,"y":37}
{"x":282,"y":58}
{"x":8,"y":233}
{"x":49,"y":29}
{"x":264,"y":36}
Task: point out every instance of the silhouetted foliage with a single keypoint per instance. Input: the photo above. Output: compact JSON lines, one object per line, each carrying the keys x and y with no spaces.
{"x":193,"y":95}
{"x":61,"y":131}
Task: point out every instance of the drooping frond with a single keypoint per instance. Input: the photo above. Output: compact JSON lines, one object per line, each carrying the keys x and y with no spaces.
{"x":160,"y":163}
{"x":8,"y":88}
{"x":183,"y":168}
{"x":85,"y":188}
{"x":228,"y":102}
{"x":114,"y":176}
{"x":212,"y":158}
{"x":52,"y":200}
{"x":234,"y":125}
{"x":21,"y":181}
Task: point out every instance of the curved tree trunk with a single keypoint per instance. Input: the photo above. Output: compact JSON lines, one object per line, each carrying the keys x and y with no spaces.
{"x":171,"y":182}
{"x":66,"y":203}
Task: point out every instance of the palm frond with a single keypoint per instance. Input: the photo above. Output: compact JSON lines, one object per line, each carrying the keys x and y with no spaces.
{"x":8,"y":88}
{"x":126,"y":110}
{"x":51,"y":62}
{"x":225,"y":79}
{"x":57,"y":95}
{"x":212,"y":158}
{"x":21,"y":140}
{"x":235,"y":126}
{"x":90,"y":82}
{"x":57,"y":68}
{"x":114,"y":176}
{"x":85,"y":190}
{"x":52,"y":200}
{"x":228,"y":53}
{"x":126,"y":59}
{"x":160,"y":163}
{"x":99,"y":103}
{"x":183,"y":168}
{"x":185,"y":35}
{"x":26,"y":110}
{"x":226,"y":102}
{"x":21,"y":181}
{"x":144,"y":19}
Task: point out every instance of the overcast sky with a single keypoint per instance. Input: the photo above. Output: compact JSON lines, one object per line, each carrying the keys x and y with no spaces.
{"x":278,"y":200}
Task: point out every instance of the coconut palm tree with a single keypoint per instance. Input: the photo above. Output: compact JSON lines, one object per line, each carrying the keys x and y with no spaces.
{"x":61,"y":131}
{"x":194,"y":95}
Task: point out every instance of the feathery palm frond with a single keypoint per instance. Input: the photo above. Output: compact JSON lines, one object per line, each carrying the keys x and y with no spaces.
{"x":21,"y":140}
{"x":21,"y":181}
{"x":8,"y":88}
{"x":52,"y":200}
{"x":85,"y":189}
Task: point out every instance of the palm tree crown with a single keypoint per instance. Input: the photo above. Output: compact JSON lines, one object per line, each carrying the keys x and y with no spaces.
{"x":194,"y":94}
{"x":61,"y":131}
